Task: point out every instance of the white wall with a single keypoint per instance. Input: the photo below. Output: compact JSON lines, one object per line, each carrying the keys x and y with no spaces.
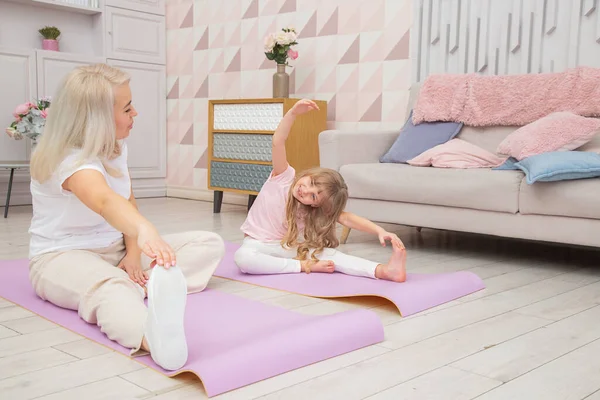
{"x":503,"y":36}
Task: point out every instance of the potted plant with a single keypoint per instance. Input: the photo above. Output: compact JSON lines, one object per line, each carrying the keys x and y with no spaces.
{"x":50,"y":35}
{"x":278,"y":48}
{"x":30,"y":119}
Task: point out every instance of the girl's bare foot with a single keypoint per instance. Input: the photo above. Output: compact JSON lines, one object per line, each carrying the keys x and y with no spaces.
{"x":325,"y":266}
{"x":395,"y":269}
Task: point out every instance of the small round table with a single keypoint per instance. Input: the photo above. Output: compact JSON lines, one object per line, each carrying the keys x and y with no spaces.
{"x":12,"y":165}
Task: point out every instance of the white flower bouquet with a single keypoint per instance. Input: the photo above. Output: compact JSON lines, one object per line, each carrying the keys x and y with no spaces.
{"x":278,"y":46}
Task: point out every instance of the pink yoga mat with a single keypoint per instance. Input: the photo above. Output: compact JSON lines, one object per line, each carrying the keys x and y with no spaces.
{"x":418,"y":293}
{"x":232,"y":341}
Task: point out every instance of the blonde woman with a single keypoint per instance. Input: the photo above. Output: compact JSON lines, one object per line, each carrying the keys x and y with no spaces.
{"x":90,"y":249}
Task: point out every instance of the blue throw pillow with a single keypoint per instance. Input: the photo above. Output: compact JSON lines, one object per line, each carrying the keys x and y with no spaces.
{"x":560,"y":165}
{"x":509,"y":164}
{"x":415,"y":139}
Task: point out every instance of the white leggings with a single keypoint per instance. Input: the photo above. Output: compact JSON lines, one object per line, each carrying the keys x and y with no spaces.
{"x":256,"y":257}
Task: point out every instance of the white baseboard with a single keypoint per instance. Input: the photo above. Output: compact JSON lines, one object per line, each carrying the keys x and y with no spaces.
{"x":21,"y":194}
{"x":186,"y":192}
{"x":154,"y":187}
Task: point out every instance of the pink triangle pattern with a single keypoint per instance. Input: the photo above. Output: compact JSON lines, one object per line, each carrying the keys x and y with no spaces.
{"x":401,"y":50}
{"x":252,"y":10}
{"x":331,"y":109}
{"x":374,"y":18}
{"x":310,"y":29}
{"x":271,"y":8}
{"x":188,"y":93}
{"x":329,"y":83}
{"x":203,"y":91}
{"x":189,"y":136}
{"x":236,"y":62}
{"x":331,"y":26}
{"x":308,"y":86}
{"x":349,"y":18}
{"x":373,"y":113}
{"x":203,"y":42}
{"x":288,"y":7}
{"x":174,"y":92}
{"x":217,"y":36}
{"x":187,"y":163}
{"x":354,"y":54}
{"x":203,"y":161}
{"x":188,"y":21}
{"x":251,"y":36}
{"x":375,"y":82}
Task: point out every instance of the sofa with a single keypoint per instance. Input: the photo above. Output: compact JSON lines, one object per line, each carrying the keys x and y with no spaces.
{"x":483,"y":200}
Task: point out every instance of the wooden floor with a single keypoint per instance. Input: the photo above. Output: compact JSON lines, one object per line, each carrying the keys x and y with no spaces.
{"x":533,"y":333}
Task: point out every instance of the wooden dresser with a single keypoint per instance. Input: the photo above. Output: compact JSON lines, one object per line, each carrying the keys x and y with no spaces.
{"x":239,"y":143}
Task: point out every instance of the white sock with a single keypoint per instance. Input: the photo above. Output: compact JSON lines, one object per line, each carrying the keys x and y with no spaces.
{"x":167,"y":296}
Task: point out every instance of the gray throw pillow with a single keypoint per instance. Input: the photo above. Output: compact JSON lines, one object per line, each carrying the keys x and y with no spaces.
{"x":415,"y":139}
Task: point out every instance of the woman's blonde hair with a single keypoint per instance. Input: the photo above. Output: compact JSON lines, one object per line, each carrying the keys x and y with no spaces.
{"x":319,"y":222}
{"x":81,"y":116}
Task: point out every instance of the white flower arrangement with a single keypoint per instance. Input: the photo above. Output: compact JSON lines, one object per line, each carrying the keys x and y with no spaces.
{"x":278,"y":46}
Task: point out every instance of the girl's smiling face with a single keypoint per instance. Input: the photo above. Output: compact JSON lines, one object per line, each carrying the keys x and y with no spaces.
{"x":306,"y":192}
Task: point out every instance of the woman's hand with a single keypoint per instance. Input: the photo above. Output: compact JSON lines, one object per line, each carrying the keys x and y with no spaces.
{"x":155,"y":247}
{"x":303,"y":106}
{"x":132,"y":264}
{"x":392,"y":237}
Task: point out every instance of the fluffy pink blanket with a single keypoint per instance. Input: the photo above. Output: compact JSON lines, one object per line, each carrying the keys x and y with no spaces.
{"x":512,"y":100}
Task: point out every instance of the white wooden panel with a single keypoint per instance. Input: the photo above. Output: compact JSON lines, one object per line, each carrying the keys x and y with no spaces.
{"x":135,"y":36}
{"x":18,"y":84}
{"x":503,"y":37}
{"x":148,"y":138}
{"x":53,"y":66}
{"x":148,"y":6}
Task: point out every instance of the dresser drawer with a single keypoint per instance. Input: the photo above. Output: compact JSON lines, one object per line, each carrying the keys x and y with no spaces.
{"x":234,"y":146}
{"x":238,"y":175}
{"x":247,"y":117}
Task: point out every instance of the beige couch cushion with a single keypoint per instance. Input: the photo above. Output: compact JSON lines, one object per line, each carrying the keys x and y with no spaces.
{"x":575,"y":198}
{"x":487,"y":138}
{"x":481,"y":189}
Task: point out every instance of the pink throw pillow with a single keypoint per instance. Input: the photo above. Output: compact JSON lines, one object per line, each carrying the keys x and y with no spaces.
{"x":457,"y":153}
{"x":592,"y":146}
{"x":559,"y":131}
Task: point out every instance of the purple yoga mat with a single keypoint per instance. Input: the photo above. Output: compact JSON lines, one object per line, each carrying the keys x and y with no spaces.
{"x":232,"y":341}
{"x":418,"y":293}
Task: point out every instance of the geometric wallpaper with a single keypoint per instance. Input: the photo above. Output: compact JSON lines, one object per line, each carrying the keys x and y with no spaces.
{"x":352,"y":54}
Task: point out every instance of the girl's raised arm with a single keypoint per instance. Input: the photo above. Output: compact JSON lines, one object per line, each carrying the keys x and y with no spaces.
{"x":279,"y":155}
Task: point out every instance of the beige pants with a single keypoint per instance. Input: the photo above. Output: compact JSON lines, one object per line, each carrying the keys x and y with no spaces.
{"x":89,"y":282}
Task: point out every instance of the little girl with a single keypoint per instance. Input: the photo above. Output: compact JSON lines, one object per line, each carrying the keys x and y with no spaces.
{"x":309,"y":205}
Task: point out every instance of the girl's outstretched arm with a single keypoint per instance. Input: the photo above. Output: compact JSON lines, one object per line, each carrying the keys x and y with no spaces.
{"x":279,"y":156}
{"x":353,"y":221}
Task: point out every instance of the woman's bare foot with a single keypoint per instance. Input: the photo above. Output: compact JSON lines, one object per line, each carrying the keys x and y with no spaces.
{"x":325,"y":266}
{"x":395,"y":269}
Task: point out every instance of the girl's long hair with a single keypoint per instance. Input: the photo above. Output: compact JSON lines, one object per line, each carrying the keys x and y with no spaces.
{"x":320,"y":222}
{"x":81,"y":116}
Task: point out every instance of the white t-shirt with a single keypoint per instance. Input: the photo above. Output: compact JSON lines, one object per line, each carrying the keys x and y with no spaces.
{"x":61,"y":221}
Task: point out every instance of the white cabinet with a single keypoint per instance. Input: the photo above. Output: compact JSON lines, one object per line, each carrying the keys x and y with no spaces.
{"x":53,"y":66}
{"x":148,"y":6}
{"x":130,"y":34}
{"x":147,"y":142}
{"x":135,"y":36}
{"x":17,"y":83}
